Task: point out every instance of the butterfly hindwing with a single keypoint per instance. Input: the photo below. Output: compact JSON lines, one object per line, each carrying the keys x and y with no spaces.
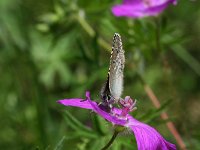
{"x":112,"y":89}
{"x":116,"y":69}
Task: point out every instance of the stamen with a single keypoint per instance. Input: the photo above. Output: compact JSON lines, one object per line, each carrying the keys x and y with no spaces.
{"x":128,"y":105}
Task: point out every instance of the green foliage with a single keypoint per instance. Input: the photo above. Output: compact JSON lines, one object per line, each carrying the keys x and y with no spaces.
{"x":50,"y":50}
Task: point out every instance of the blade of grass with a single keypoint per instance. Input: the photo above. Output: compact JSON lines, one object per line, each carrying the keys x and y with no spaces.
{"x":187,"y":58}
{"x":77,"y":122}
{"x":78,"y":126}
{"x":60,"y":144}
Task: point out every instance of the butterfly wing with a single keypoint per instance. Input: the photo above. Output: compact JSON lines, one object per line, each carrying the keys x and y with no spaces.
{"x":107,"y":102}
{"x":115,"y":74}
{"x":112,"y":89}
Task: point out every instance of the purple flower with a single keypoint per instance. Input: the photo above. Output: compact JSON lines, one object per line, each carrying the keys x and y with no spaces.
{"x":141,"y":8}
{"x":147,"y":137}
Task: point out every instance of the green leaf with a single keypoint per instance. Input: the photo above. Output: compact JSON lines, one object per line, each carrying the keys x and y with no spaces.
{"x":187,"y":58}
{"x":78,"y":126}
{"x":60,"y":143}
{"x":152,"y":114}
{"x":96,"y":144}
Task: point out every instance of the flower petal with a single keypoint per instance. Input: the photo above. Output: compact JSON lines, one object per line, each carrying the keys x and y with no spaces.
{"x":109,"y":117}
{"x":147,"y":137}
{"x":138,"y":8}
{"x":154,"y":10}
{"x":132,"y":11}
{"x":77,"y":102}
{"x":88,"y":104}
{"x":131,"y":2}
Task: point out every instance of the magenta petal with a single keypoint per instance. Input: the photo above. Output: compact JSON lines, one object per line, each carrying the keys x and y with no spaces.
{"x":109,"y":117}
{"x":138,"y":8}
{"x":88,"y":104}
{"x":132,"y":11}
{"x":87,"y":94}
{"x":76,"y":102}
{"x":154,"y":10}
{"x":147,"y":137}
{"x":131,"y":1}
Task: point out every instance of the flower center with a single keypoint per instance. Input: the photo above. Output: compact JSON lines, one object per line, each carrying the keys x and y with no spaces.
{"x":128,"y":105}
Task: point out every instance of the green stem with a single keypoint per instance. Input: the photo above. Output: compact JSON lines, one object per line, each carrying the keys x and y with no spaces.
{"x":158,"y":46}
{"x":97,"y":127}
{"x":86,"y":26}
{"x":111,"y":141}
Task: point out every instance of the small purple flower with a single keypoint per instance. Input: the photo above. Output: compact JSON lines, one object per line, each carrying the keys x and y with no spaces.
{"x":141,"y":8}
{"x":147,"y":137}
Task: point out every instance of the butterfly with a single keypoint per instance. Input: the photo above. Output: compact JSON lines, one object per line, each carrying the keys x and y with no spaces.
{"x":112,"y":89}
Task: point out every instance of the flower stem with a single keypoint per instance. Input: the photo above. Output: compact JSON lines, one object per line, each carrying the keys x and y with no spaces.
{"x":158,"y":28}
{"x":111,"y":141}
{"x":86,"y":26}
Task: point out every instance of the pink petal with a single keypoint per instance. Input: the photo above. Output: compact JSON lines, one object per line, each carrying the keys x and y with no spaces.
{"x":156,"y":9}
{"x":147,"y":137}
{"x":138,"y":8}
{"x":76,"y":102}
{"x":88,"y":104}
{"x":131,"y":2}
{"x":132,"y":11}
{"x":109,"y":117}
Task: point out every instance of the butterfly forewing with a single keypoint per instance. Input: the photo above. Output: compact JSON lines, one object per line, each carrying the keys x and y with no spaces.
{"x":115,"y":75}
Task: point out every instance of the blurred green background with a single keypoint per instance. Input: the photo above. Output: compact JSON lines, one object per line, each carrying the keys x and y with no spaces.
{"x":56,"y":49}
